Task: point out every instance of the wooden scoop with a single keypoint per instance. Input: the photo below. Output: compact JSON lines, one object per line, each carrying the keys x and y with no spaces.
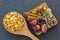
{"x":16,"y":24}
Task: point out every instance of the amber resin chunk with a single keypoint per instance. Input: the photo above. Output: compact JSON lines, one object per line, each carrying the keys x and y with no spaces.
{"x":13,"y":21}
{"x":41,"y":18}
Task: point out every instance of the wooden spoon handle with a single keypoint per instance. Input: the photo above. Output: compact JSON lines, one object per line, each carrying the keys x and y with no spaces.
{"x":30,"y":35}
{"x":26,"y":32}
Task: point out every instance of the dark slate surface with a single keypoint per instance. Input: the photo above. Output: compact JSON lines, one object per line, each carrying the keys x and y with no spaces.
{"x":26,"y":5}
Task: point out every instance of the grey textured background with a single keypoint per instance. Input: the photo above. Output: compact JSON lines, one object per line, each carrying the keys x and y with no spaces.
{"x":26,"y":5}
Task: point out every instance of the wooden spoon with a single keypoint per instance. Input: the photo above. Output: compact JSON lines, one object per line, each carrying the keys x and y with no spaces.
{"x":15,"y":23}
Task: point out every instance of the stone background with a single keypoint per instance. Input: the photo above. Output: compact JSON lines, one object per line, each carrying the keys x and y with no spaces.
{"x":23,"y":6}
